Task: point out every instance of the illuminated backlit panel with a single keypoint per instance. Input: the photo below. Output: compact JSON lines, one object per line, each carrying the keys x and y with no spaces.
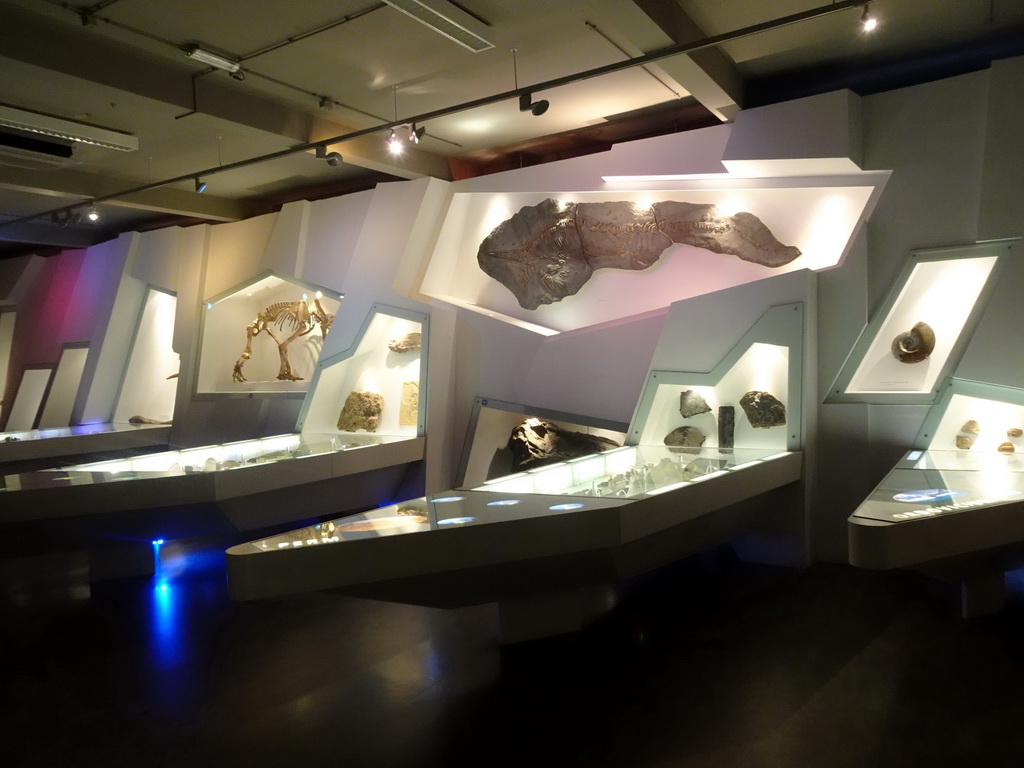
{"x":920,"y":331}
{"x":7,"y":318}
{"x":150,"y":384}
{"x":31,"y":390}
{"x":60,"y":400}
{"x":388,"y":359}
{"x":225,"y":340}
{"x":819,"y":220}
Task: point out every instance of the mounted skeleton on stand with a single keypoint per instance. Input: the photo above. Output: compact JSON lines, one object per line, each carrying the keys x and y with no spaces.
{"x":300,"y":317}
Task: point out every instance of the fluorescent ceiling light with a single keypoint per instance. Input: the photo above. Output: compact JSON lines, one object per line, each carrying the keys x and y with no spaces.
{"x":59,"y":128}
{"x":448,"y":20}
{"x":214,"y":60}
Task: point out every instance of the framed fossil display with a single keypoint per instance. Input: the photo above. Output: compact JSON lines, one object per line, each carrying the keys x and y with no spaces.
{"x":918,"y":334}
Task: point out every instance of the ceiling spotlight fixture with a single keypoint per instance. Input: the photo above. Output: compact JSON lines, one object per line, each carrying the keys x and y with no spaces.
{"x":216,"y":60}
{"x":325,"y":102}
{"x":538,"y":108}
{"x":200,"y":186}
{"x":415,"y":134}
{"x":868,"y":21}
{"x":332,"y":158}
{"x":526,"y":102}
{"x":394,"y":143}
{"x":93,"y":214}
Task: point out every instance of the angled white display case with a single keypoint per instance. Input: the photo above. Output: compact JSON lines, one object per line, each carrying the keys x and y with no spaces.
{"x":263,"y":337}
{"x":251,"y":484}
{"x":953,"y":506}
{"x":920,"y":331}
{"x":548,"y":544}
{"x":143,"y":406}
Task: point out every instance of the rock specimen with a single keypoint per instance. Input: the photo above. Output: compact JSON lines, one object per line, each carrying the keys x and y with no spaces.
{"x":409,"y":409}
{"x":145,"y":420}
{"x":691,"y":404}
{"x":361,"y":411}
{"x":1014,"y":432}
{"x":914,"y":345}
{"x":1006,"y":447}
{"x":536,"y":443}
{"x":408,"y":343}
{"x":964,"y":442}
{"x":971,"y":427}
{"x":726,"y":426}
{"x":763,"y":410}
{"x":548,"y":251}
{"x":687,"y":439}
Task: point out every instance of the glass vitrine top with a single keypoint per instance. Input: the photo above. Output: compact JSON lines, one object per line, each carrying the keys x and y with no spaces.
{"x":83,"y":429}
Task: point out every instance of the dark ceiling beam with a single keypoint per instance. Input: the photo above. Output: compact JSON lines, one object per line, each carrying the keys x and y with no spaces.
{"x":44,"y":234}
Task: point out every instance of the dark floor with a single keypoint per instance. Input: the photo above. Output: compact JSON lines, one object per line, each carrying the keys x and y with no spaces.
{"x":713,"y":663}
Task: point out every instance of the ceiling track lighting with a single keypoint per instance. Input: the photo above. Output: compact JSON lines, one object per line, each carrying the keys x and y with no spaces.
{"x":200,"y":186}
{"x":394,"y":143}
{"x":93,"y":215}
{"x":69,"y":130}
{"x":415,"y":134}
{"x":331,"y":158}
{"x":216,"y":60}
{"x":868,"y":20}
{"x":526,"y":102}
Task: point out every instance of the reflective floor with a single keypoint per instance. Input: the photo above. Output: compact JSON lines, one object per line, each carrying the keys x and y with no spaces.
{"x":711,"y":663}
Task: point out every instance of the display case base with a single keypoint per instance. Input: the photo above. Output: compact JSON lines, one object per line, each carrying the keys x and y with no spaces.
{"x":533,"y":618}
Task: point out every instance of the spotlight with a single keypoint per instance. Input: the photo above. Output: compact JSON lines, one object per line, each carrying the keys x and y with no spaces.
{"x":93,"y":215}
{"x":200,"y":186}
{"x":538,"y":108}
{"x":332,"y":158}
{"x":394,"y":143}
{"x":415,"y":134}
{"x":868,"y":21}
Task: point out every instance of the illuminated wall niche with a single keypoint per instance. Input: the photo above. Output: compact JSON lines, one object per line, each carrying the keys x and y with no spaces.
{"x":946,"y":290}
{"x":7,"y":317}
{"x":150,"y":378}
{"x":384,"y":360}
{"x":225,"y":319}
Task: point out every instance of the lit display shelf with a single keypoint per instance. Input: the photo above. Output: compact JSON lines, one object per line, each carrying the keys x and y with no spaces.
{"x":546,"y":544}
{"x":75,"y":441}
{"x":953,"y":508}
{"x":464,"y":547}
{"x":250,"y":484}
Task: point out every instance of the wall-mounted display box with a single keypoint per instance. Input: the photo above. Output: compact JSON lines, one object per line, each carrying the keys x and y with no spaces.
{"x":264,"y":337}
{"x":954,"y":505}
{"x":567,"y":530}
{"x":321,"y":470}
{"x":920,"y":331}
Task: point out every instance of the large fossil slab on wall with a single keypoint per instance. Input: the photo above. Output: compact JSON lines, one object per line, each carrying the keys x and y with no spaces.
{"x":548,"y":251}
{"x":536,"y":443}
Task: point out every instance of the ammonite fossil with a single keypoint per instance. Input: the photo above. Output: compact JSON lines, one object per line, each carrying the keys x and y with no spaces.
{"x":914,"y":345}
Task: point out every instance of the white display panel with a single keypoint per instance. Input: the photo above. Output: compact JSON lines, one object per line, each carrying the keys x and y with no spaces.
{"x":995,"y":422}
{"x":147,"y":389}
{"x":939,"y":293}
{"x":224,"y":337}
{"x":372,"y":366}
{"x":763,"y":367}
{"x":7,"y":319}
{"x":60,"y":400}
{"x":28,"y":399}
{"x":820,"y":221}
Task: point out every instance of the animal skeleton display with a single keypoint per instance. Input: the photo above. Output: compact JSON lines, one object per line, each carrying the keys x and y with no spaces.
{"x":300,"y":317}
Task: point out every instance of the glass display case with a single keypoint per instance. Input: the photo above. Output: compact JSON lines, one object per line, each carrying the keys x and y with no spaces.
{"x":959,"y":495}
{"x":919,"y":333}
{"x":264,"y":336}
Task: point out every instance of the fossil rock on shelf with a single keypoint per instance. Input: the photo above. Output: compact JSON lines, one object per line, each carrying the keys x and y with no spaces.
{"x":692,"y":404}
{"x":1006,"y":447}
{"x":687,"y":439}
{"x":409,"y":409}
{"x":971,"y":427}
{"x":763,"y":409}
{"x":536,"y":443}
{"x":361,"y":411}
{"x":408,"y":343}
{"x":964,"y":442}
{"x":726,"y":426}
{"x":548,"y":251}
{"x":914,"y":345}
{"x":1014,"y":432}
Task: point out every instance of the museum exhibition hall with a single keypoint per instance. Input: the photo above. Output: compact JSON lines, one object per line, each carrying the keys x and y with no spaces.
{"x":603,"y":383}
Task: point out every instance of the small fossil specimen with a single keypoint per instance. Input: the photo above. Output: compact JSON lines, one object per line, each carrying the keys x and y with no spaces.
{"x":914,"y":345}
